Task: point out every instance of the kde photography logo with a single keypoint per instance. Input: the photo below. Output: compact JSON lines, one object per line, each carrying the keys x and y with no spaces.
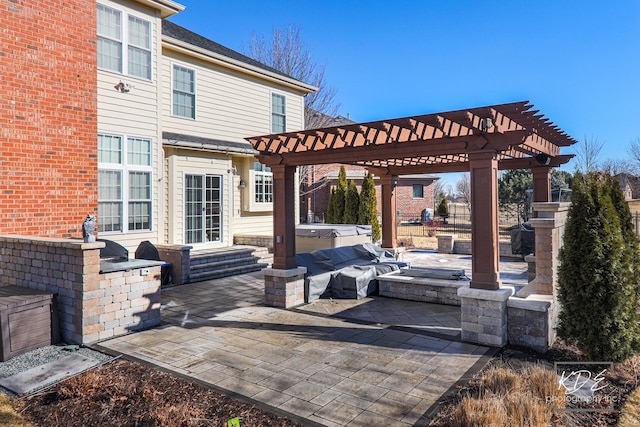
{"x":583,"y":387}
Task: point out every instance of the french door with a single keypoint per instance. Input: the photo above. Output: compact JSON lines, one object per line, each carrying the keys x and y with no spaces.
{"x":203,"y":209}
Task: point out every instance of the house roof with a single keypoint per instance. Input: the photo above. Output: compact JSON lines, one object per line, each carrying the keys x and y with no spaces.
{"x":514,"y":133}
{"x":179,"y":33}
{"x":207,"y":144}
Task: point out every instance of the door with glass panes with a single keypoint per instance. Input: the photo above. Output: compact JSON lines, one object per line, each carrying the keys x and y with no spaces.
{"x":203,"y":209}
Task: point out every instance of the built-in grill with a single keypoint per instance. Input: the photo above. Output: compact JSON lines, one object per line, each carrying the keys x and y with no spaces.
{"x":113,"y":252}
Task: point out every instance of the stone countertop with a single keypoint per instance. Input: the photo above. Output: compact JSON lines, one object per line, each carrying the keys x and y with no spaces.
{"x":108,"y":266}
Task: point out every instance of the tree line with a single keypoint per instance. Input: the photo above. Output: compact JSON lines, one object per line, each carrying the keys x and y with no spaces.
{"x":346,"y":206}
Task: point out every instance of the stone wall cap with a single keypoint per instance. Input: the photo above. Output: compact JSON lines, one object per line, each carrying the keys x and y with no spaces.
{"x":173,"y":247}
{"x":447,"y":235}
{"x":533,"y":302}
{"x":550,"y":206}
{"x":501,"y":294}
{"x":276,"y":272}
{"x":52,"y":242}
{"x":530,"y":258}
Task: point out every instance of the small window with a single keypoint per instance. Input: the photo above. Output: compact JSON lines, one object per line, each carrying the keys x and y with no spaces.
{"x":418,"y":191}
{"x":263,"y":183}
{"x":184,"y":92}
{"x":278,"y":114}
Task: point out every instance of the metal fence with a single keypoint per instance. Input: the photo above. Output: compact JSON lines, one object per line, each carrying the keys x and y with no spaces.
{"x":457,"y":223}
{"x":460,"y":223}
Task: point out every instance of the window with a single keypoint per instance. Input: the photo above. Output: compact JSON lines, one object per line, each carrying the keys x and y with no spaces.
{"x":262,"y":183}
{"x":418,"y":191}
{"x":124,"y":183}
{"x":135,"y":59}
{"x":278,"y":113}
{"x":184,"y":92}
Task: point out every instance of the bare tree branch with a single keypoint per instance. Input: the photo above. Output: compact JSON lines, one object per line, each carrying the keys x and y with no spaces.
{"x":463,"y":189}
{"x":287,"y":53}
{"x":587,"y":154}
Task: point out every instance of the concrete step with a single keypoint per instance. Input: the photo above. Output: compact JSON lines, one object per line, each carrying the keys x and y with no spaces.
{"x":224,"y":262}
{"x":226,"y":272}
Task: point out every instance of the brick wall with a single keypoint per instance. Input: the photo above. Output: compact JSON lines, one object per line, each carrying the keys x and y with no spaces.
{"x":48,"y":116}
{"x":91,"y":305}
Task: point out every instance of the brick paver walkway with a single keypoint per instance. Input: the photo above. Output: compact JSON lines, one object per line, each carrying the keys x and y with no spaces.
{"x":375,"y":361}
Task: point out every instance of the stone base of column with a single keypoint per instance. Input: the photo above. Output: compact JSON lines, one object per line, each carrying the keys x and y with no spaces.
{"x":484,"y":315}
{"x":284,"y":288}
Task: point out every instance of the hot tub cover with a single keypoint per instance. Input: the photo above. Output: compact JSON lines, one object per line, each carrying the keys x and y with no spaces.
{"x":331,"y":230}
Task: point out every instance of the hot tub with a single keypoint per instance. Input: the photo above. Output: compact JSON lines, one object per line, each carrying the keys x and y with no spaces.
{"x":310,"y":237}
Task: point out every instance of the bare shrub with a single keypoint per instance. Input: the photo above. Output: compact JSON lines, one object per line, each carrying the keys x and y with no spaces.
{"x":506,"y":397}
{"x":500,"y":381}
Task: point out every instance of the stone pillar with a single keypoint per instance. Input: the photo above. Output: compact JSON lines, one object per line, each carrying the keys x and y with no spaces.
{"x":389,"y":231}
{"x":179,"y":256}
{"x":485,"y":248}
{"x":284,"y":288}
{"x":284,"y":217}
{"x":549,"y":227}
{"x":446,"y":242}
{"x":484,"y":315}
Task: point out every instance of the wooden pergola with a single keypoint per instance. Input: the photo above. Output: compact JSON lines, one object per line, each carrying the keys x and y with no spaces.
{"x":478,"y":140}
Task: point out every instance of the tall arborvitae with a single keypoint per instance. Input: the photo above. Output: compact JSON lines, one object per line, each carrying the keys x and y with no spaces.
{"x":368,"y":212}
{"x":596,"y":278}
{"x":331,"y":208}
{"x":351,"y":204}
{"x":340,"y":197}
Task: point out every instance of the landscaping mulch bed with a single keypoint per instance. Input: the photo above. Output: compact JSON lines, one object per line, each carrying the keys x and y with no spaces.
{"x":125,"y":393}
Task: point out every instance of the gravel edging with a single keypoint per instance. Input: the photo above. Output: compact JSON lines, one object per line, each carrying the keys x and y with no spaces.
{"x":44,"y":355}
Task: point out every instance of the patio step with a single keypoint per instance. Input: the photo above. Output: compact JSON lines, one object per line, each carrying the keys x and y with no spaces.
{"x":217,"y":263}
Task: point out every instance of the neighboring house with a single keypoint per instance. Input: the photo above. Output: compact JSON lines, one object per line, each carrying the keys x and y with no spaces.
{"x":630,"y":186}
{"x":173,"y":163}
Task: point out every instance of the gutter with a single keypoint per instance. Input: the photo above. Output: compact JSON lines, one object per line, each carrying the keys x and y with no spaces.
{"x":189,"y":49}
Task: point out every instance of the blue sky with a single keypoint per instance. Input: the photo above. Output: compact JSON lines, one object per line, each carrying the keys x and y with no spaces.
{"x":578,"y":62}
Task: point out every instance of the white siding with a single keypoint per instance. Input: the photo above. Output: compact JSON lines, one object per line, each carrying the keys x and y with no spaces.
{"x":229,"y":105}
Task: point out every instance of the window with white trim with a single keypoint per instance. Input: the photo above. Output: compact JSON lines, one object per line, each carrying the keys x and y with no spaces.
{"x":262,"y":183}
{"x":278,"y":113}
{"x":124,"y":43}
{"x":124,"y":183}
{"x":184,"y":92}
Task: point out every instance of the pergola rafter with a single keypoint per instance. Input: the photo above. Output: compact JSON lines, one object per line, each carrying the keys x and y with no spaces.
{"x":481,"y":140}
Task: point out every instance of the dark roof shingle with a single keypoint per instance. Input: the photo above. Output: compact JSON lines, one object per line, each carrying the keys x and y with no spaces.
{"x":175,"y":31}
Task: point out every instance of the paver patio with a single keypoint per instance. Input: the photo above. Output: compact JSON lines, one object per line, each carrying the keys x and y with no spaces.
{"x":387,"y":362}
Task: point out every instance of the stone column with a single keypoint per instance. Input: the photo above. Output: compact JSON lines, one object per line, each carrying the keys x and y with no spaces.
{"x":549,"y":227}
{"x":484,"y":315}
{"x":485,"y":248}
{"x":389,"y":232}
{"x":284,"y":288}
